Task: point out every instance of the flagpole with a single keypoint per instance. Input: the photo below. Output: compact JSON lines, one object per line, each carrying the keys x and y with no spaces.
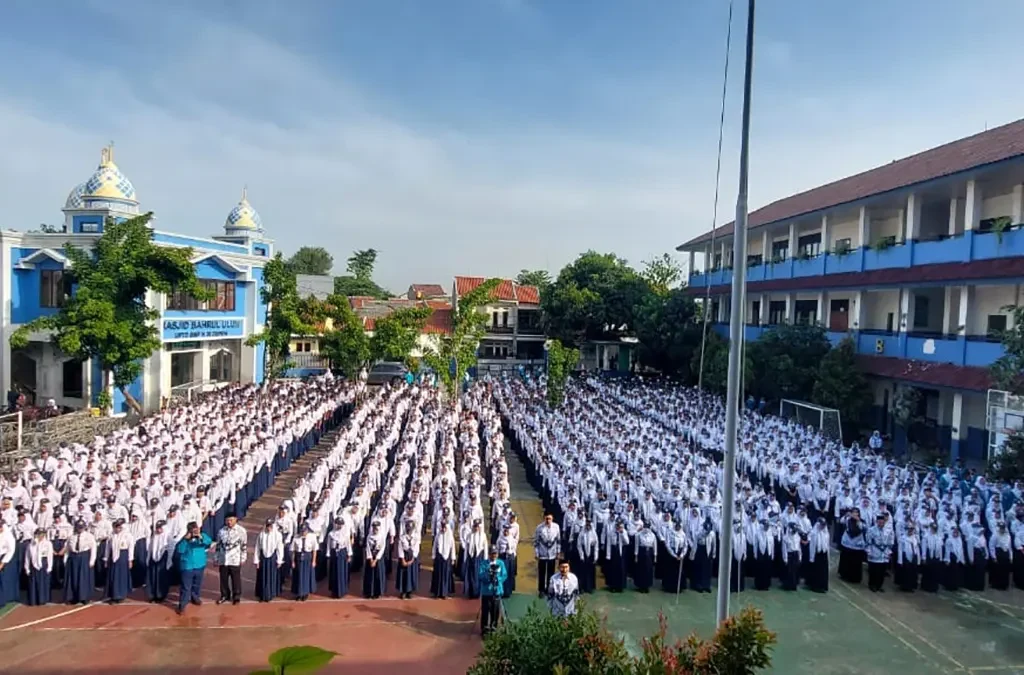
{"x":738,"y":311}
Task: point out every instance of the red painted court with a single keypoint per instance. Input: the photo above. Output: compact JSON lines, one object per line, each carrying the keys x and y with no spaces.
{"x":378,"y":636}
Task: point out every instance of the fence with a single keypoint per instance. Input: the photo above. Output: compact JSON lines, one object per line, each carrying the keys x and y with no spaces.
{"x":20,"y":439}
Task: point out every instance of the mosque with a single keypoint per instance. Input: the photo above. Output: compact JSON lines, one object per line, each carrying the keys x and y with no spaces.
{"x":203,"y":342}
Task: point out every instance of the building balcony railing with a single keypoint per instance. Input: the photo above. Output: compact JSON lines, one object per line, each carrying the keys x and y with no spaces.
{"x":965,"y":247}
{"x":531,"y":330}
{"x":978,"y":351}
{"x":501,"y":330}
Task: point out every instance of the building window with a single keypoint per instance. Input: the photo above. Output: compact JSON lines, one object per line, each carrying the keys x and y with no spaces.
{"x":844,"y":245}
{"x":54,"y":288}
{"x":220,"y":366}
{"x":504,"y":319}
{"x":780,"y":250}
{"x":996,"y":325}
{"x":73,"y":385}
{"x":777,"y":312}
{"x":222,"y":298}
{"x":809,"y":245}
{"x":920,"y":312}
{"x":89,"y":228}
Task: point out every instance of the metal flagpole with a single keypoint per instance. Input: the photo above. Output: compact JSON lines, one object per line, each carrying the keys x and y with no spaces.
{"x":739,"y":302}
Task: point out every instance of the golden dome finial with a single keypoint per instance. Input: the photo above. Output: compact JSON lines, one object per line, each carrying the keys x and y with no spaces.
{"x":107,"y":155}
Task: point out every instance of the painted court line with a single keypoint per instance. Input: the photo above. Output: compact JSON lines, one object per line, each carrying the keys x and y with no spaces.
{"x":996,"y":669}
{"x":914,"y":633}
{"x":888,"y":630}
{"x":69,"y":612}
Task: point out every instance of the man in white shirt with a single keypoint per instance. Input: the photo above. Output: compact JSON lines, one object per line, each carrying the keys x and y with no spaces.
{"x":563,"y":589}
{"x":547,"y":544}
{"x":231,"y":550}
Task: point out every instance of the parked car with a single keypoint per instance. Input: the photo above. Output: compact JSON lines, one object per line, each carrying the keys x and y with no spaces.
{"x":386,"y":371}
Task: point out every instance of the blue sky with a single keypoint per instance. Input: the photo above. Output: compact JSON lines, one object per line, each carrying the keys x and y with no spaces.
{"x":480,"y":136}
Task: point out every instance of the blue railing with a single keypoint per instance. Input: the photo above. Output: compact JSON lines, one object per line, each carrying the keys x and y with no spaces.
{"x":975,"y":351}
{"x":965,"y":247}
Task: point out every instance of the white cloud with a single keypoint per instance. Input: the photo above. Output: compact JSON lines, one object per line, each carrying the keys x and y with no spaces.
{"x":325,"y":166}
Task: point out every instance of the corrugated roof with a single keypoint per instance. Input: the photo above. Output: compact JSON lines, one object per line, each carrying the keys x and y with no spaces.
{"x":987,"y":147}
{"x":927,"y":373}
{"x":507,"y":290}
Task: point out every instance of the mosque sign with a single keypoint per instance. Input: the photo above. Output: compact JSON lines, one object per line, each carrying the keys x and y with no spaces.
{"x":202,"y":329}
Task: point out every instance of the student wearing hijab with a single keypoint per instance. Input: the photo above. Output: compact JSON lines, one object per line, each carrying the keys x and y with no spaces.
{"x":38,"y":566}
{"x":339,"y":553}
{"x":792,"y":552}
{"x":931,"y":559}
{"x":645,"y":552}
{"x":120,"y":560}
{"x":852,"y":547}
{"x":268,"y":560}
{"x":908,"y":560}
{"x":977,"y":559}
{"x":475,"y":550}
{"x":139,"y":531}
{"x":304,"y":552}
{"x":616,"y":570}
{"x":1000,"y":556}
{"x":586,"y":555}
{"x":953,"y":558}
{"x":443,"y":553}
{"x":375,"y":572}
{"x":159,"y":550}
{"x":818,"y":553}
{"x":764,"y":555}
{"x":407,"y":553}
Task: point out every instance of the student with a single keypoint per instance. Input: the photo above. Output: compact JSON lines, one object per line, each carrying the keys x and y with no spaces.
{"x":879,"y":543}
{"x":375,"y":580}
{"x":1000,"y":555}
{"x":953,"y":558}
{"x":38,"y":566}
{"x":443,"y":554}
{"x":80,"y":562}
{"x":268,"y":559}
{"x":120,"y":559}
{"x":908,"y":560}
{"x":159,"y":549}
{"x":616,"y":570}
{"x":852,"y":547}
{"x":818,"y":549}
{"x":587,"y":554}
{"x":791,"y":553}
{"x":645,"y":552}
{"x":931,"y":559}
{"x":407,"y":553}
{"x":304,"y":554}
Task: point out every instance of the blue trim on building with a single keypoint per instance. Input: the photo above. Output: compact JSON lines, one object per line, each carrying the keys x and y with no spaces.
{"x":969,"y":246}
{"x":196,"y":243}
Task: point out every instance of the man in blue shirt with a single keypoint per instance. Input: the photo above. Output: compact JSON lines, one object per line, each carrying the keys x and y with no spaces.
{"x":191,"y":552}
{"x":492,"y":575}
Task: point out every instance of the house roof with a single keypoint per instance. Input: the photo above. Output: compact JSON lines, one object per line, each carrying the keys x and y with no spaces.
{"x":996,"y":268}
{"x":370,"y":310}
{"x":927,"y":373}
{"x":975,"y":151}
{"x":507,"y":290}
{"x":428,"y":290}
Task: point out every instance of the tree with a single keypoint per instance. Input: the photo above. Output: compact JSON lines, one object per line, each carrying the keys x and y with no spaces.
{"x":345,"y":343}
{"x":716,"y":365}
{"x":1008,"y":463}
{"x":1008,"y":370}
{"x":594,"y":297}
{"x":539,"y":278}
{"x":561,"y":362}
{"x":785,"y":361}
{"x":361,"y":263}
{"x":662,"y":273}
{"x":396,"y":335}
{"x":287,"y":316}
{"x":455,"y":352}
{"x":359,"y":281}
{"x":311,"y":260}
{"x":841,"y":385}
{"x":669,"y":332}
{"x":107,"y":318}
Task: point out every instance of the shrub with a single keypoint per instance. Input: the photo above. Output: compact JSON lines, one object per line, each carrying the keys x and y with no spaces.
{"x":540,"y":644}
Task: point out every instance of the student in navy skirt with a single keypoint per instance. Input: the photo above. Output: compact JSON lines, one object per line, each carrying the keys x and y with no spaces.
{"x":38,"y":567}
{"x":120,"y":559}
{"x":79,"y":566}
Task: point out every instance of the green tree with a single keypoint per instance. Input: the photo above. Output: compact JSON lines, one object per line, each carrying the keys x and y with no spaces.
{"x":311,"y":260}
{"x":359,"y":280}
{"x":107,"y":318}
{"x":361,"y":263}
{"x":396,"y":335}
{"x":662,"y":273}
{"x":288,"y":315}
{"x":455,"y":352}
{"x":1008,"y":463}
{"x":840,"y":384}
{"x":594,"y":297}
{"x":669,"y":331}
{"x":1008,"y":370}
{"x":716,"y":365}
{"x":345,"y":344}
{"x":539,"y":278}
{"x":561,"y":362}
{"x":785,"y":361}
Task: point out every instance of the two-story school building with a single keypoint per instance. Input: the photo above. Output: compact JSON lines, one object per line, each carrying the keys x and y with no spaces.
{"x":919,"y":261}
{"x":203,"y":342}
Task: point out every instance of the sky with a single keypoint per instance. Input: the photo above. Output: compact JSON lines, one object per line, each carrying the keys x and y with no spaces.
{"x":480,"y":137}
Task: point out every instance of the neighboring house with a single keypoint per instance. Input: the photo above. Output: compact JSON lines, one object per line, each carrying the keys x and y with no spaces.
{"x":203,"y":342}
{"x":917,"y":260}
{"x":514,"y":333}
{"x":426,"y":292}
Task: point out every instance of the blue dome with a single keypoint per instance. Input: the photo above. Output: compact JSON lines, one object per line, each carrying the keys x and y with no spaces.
{"x":74,"y":200}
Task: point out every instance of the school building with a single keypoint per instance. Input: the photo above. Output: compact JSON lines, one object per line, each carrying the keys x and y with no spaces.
{"x":919,"y":261}
{"x":203,"y":342}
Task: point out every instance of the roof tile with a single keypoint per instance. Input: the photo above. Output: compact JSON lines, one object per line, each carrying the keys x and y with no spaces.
{"x":927,"y":373}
